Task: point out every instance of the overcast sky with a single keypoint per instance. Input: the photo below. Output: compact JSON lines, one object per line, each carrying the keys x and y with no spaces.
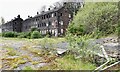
{"x":11,"y":8}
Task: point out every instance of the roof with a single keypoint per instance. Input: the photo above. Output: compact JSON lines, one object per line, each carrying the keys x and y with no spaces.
{"x":53,"y":10}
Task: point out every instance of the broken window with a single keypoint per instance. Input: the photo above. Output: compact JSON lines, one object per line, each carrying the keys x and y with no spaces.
{"x":55,"y":14}
{"x":60,"y":14}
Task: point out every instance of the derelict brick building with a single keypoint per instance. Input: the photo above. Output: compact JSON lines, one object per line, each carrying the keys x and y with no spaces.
{"x":54,"y":21}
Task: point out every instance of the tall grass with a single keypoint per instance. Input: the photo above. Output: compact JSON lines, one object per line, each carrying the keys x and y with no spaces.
{"x":68,"y":62}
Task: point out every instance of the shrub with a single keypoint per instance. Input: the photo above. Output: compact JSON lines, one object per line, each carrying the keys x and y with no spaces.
{"x":28,"y":68}
{"x":24,"y":35}
{"x":35,"y":34}
{"x":95,"y":16}
{"x":34,"y":29}
{"x":0,"y":34}
{"x":9,"y":34}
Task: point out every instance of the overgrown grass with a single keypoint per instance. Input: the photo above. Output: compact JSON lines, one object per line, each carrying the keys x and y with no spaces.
{"x":48,"y":40}
{"x":69,"y":63}
{"x":11,"y":51}
{"x":27,"y":68}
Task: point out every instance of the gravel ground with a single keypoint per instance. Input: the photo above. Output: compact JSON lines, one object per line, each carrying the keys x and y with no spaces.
{"x":110,"y":44}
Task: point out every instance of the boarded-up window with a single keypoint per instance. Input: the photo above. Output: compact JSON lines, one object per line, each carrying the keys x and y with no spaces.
{"x":53,"y":31}
{"x":53,"y":23}
{"x":61,"y":30}
{"x":61,"y":22}
{"x":69,"y":15}
{"x":46,"y":24}
{"x":52,"y":14}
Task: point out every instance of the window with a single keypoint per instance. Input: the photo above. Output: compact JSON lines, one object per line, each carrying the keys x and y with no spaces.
{"x":26,"y":27}
{"x":52,"y":31}
{"x":46,"y":24}
{"x":82,"y":6}
{"x":47,"y":16}
{"x":56,"y":32}
{"x":61,"y":22}
{"x":52,"y":14}
{"x":61,"y":30}
{"x":52,"y":23}
{"x":42,"y":25}
{"x":45,"y":32}
{"x":44,"y":16}
{"x":69,"y":15}
{"x":49,"y":23}
{"x":15,"y":22}
{"x":60,"y":14}
{"x":35,"y":22}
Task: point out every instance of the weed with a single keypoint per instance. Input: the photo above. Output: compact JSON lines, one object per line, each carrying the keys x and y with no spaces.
{"x":69,"y":63}
{"x":28,"y":68}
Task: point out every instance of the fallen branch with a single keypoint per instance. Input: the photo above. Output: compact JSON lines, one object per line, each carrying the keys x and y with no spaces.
{"x":102,"y":65}
{"x":104,"y":52}
{"x":116,"y":63}
{"x":106,"y":56}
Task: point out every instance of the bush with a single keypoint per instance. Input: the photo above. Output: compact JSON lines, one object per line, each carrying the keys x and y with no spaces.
{"x":9,"y":34}
{"x":34,"y":29}
{"x":35,"y":34}
{"x":24,"y":35}
{"x":28,"y":68}
{"x":95,"y":16}
{"x":0,"y":34}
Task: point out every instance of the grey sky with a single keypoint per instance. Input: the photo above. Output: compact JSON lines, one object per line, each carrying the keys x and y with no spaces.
{"x":11,"y":8}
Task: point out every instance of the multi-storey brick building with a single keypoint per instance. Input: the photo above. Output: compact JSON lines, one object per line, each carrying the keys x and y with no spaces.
{"x":54,"y":21}
{"x":14,"y":25}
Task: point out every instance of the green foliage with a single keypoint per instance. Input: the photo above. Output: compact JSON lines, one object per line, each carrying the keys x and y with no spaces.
{"x":33,"y":29}
{"x":27,"y":68}
{"x":0,"y":34}
{"x":68,"y":62}
{"x":100,"y":18}
{"x":11,"y":51}
{"x":78,"y":46}
{"x":24,"y":35}
{"x":35,"y":34}
{"x":9,"y":34}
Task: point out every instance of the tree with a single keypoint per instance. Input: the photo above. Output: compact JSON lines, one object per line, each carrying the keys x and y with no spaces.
{"x":43,"y":8}
{"x":35,"y":34}
{"x":2,"y":21}
{"x":100,"y":18}
{"x":57,"y":4}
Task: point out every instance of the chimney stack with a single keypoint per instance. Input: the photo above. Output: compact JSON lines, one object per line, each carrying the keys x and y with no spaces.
{"x":49,"y":9}
{"x":37,"y":13}
{"x":18,"y":16}
{"x":28,"y":16}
